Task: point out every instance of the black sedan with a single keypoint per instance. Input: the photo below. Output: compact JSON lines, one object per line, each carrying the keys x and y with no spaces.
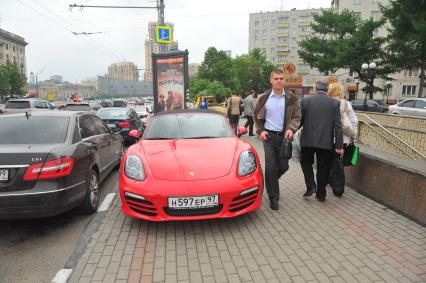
{"x":370,"y":105}
{"x":125,"y":119}
{"x":53,"y":161}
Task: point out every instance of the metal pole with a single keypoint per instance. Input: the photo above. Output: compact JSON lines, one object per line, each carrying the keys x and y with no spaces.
{"x":161,"y":21}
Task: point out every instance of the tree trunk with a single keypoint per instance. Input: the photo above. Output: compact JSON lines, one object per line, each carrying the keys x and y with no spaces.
{"x":422,"y":80}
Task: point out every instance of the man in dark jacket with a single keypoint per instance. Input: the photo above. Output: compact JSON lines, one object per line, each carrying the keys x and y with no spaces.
{"x":276,"y":116}
{"x":321,"y":125}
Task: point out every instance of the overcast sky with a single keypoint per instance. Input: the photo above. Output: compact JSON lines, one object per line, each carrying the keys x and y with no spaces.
{"x":47,"y":26}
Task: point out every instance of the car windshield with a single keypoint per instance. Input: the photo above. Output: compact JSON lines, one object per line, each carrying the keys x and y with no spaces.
{"x":77,"y":107}
{"x":17,"y":105}
{"x":109,"y":113}
{"x":188,"y":126}
{"x":34,"y":130}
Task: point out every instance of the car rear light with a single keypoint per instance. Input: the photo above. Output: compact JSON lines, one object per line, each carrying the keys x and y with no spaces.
{"x":49,"y":169}
{"x":144,"y":115}
{"x":124,"y":124}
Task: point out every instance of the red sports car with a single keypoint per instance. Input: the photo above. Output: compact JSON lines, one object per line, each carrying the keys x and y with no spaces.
{"x":190,"y":165}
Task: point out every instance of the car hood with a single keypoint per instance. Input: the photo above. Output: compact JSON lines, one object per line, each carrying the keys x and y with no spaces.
{"x":190,"y":159}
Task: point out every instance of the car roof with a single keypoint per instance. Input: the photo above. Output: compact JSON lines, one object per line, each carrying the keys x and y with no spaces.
{"x":77,"y":103}
{"x":27,"y":99}
{"x":58,"y":113}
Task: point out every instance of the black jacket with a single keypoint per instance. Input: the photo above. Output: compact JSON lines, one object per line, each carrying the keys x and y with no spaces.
{"x":321,"y":122}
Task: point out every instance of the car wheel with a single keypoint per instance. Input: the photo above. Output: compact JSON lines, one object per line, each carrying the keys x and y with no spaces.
{"x":91,"y":199}
{"x":123,"y":149}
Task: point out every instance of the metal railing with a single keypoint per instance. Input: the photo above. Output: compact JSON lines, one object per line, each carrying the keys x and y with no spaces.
{"x":392,"y":135}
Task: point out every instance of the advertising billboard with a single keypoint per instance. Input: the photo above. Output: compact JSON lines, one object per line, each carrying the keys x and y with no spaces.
{"x":170,"y":73}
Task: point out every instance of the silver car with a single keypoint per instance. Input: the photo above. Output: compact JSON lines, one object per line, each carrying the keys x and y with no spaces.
{"x":409,"y":107}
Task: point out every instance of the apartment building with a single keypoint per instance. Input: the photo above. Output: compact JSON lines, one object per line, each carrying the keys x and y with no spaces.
{"x":123,"y":71}
{"x":12,"y":50}
{"x":278,"y":33}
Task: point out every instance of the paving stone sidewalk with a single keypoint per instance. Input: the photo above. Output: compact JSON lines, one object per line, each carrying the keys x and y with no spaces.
{"x":352,"y":239}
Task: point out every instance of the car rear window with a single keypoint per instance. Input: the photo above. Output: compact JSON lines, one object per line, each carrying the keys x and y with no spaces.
{"x":77,"y":107}
{"x":109,"y":114}
{"x":17,"y":105}
{"x":34,"y":130}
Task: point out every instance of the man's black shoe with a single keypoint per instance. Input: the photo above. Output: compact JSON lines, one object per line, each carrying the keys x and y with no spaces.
{"x":320,"y":198}
{"x":274,"y":205}
{"x":251,"y":135}
{"x":308,"y":193}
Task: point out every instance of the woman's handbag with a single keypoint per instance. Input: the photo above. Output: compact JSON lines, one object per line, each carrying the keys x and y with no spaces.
{"x":347,"y":127}
{"x":350,"y":156}
{"x":286,"y":149}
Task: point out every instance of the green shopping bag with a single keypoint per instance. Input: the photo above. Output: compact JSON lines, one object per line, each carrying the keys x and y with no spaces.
{"x":354,"y":160}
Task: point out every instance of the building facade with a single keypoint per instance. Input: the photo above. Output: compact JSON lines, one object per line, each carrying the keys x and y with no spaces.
{"x":152,"y":47}
{"x":108,"y":87}
{"x":61,"y":91}
{"x":405,"y":84}
{"x":123,"y":71}
{"x":278,"y":34}
{"x":193,"y":69}
{"x":12,"y":50}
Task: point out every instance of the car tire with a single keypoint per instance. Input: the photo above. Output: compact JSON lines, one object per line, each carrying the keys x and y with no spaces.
{"x":91,"y":199}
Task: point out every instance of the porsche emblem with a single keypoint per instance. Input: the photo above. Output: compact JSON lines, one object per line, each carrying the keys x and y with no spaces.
{"x":191,"y":173}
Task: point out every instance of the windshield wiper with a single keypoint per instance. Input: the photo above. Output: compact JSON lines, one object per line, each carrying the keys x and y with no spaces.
{"x":202,"y":137}
{"x":158,"y":138}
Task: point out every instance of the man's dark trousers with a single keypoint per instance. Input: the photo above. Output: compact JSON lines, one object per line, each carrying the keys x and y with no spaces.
{"x":324,"y":158}
{"x":274,"y":166}
{"x":249,"y":123}
{"x":234,"y":120}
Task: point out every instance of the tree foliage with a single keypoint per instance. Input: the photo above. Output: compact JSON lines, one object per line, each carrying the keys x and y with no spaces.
{"x":407,"y":35}
{"x":343,"y":41}
{"x":12,"y":80}
{"x":219,"y":74}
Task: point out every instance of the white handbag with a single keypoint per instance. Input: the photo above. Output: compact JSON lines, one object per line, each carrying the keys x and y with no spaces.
{"x":348,"y":129}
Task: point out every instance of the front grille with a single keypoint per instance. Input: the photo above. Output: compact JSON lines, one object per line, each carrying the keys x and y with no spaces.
{"x":141,"y":206}
{"x":194,"y":211}
{"x":243,"y":201}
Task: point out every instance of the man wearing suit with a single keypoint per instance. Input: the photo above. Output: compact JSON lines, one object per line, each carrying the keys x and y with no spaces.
{"x":248,"y":111}
{"x":321,"y":125}
{"x":276,"y":116}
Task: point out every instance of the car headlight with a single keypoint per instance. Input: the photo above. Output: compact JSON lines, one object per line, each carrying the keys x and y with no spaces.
{"x":134,"y":168}
{"x":246,"y":163}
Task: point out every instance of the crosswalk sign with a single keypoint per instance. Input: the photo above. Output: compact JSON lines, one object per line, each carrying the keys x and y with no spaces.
{"x":163,"y":34}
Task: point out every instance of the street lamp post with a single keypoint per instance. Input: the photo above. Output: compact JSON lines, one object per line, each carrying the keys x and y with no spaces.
{"x":369,"y":73}
{"x":388,"y":87}
{"x":357,"y":88}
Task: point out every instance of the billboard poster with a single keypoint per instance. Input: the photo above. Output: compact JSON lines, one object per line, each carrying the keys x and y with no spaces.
{"x":170,"y":81}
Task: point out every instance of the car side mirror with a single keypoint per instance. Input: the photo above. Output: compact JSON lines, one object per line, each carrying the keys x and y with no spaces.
{"x":242,"y":131}
{"x":134,"y":134}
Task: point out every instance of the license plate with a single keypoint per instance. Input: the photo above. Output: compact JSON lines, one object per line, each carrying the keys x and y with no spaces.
{"x":193,"y":202}
{"x":111,"y":125}
{"x":4,"y":175}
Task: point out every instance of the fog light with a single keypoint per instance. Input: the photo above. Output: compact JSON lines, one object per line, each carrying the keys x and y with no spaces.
{"x":127,"y":194}
{"x":249,"y":191}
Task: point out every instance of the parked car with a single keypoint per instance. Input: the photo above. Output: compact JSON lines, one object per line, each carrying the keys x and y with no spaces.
{"x":20,"y":105}
{"x":106,"y":103}
{"x":188,"y":165}
{"x":53,"y":161}
{"x":371,"y":105}
{"x":119,"y":103}
{"x":145,"y":112}
{"x":77,"y":107}
{"x":125,"y":119}
{"x":409,"y":107}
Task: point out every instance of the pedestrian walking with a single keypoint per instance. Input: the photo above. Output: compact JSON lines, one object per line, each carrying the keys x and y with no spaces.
{"x":233,"y":109}
{"x":248,"y":111}
{"x":204,"y":104}
{"x":322,"y":128}
{"x":337,"y":174}
{"x":276,"y":116}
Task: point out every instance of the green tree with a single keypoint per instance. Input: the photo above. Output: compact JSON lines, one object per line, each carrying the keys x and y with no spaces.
{"x":407,"y":35}
{"x":196,"y":85}
{"x":217,"y":66}
{"x":218,"y":90}
{"x":16,"y":79}
{"x":4,"y":82}
{"x":343,"y":41}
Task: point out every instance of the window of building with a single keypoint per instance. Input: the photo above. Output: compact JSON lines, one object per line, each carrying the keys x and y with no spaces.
{"x":256,"y":23}
{"x":264,"y":32}
{"x":283,"y":19}
{"x":265,"y":22}
{"x":282,"y":29}
{"x":272,"y":49}
{"x":256,"y":31}
{"x":264,"y":50}
{"x":302,"y":29}
{"x":7,"y":46}
{"x":273,"y":39}
{"x":273,"y":22}
{"x":409,"y":90}
{"x":293,"y":20}
{"x":357,"y":2}
{"x":282,"y":38}
{"x":375,"y":15}
{"x":264,"y":40}
{"x":358,"y":15}
{"x":376,"y":1}
{"x":7,"y":58}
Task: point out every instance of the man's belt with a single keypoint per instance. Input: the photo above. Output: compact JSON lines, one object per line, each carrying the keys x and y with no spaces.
{"x":275,"y":133}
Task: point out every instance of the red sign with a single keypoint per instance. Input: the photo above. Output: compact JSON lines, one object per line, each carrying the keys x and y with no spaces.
{"x":289,"y":69}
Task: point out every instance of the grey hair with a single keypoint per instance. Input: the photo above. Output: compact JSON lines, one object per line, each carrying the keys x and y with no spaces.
{"x":321,"y":85}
